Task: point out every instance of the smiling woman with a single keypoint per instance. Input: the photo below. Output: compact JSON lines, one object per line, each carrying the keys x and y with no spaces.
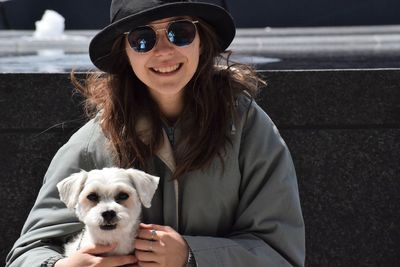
{"x":169,"y":103}
{"x":168,"y":63}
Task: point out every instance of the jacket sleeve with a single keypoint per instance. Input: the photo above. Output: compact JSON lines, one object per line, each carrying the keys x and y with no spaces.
{"x":50,"y":222}
{"x":268,"y":230}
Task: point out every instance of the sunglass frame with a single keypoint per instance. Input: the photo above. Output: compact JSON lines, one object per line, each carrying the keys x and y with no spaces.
{"x":165,"y":29}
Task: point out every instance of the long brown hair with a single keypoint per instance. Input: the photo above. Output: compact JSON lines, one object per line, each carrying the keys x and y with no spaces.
{"x":208,"y":113}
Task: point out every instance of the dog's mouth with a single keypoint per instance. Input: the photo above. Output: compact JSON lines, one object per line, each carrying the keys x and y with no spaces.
{"x":108,"y":227}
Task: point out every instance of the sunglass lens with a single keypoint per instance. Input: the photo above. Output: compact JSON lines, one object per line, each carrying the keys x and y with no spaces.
{"x":181,"y":33}
{"x":142,"y":39}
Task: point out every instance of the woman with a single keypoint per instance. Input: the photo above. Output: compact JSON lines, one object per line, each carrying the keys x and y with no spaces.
{"x":228,"y":192}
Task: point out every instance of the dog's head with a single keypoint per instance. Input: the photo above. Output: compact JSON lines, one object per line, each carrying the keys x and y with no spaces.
{"x":110,"y":198}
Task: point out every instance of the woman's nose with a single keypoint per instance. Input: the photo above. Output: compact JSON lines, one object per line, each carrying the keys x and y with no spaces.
{"x":163,"y":45}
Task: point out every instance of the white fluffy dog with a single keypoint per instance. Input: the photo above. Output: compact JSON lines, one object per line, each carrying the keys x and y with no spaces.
{"x":108,"y":202}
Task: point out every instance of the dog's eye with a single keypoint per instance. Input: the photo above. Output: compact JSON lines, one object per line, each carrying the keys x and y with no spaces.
{"x":93,"y":197}
{"x":122,"y":196}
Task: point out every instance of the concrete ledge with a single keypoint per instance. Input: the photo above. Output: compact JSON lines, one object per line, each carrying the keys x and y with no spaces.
{"x":267,"y":48}
{"x":342,"y":128}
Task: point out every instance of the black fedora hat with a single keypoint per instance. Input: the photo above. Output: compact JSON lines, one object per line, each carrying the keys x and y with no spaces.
{"x":127,"y":14}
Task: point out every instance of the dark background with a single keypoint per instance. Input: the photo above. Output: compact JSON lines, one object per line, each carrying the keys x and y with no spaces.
{"x":94,"y":14}
{"x":342,"y":128}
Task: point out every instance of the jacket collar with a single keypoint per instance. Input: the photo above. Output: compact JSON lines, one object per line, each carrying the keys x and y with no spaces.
{"x":165,"y":152}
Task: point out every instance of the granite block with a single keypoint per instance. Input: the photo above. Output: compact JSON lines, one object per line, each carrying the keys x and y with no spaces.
{"x":346,"y":98}
{"x":24,"y":159}
{"x":349,"y":182}
{"x":38,"y":101}
{"x":342,"y":98}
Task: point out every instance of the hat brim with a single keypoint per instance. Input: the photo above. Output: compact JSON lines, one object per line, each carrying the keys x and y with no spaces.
{"x":101,"y":44}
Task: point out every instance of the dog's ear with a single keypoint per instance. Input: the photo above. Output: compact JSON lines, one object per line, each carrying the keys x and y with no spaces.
{"x":71,"y":187}
{"x":145,"y":184}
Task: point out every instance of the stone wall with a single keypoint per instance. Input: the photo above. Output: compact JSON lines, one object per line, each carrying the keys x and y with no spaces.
{"x":342,"y":127}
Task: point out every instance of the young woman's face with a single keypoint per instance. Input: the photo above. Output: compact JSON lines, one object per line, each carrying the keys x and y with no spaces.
{"x":167,"y":68}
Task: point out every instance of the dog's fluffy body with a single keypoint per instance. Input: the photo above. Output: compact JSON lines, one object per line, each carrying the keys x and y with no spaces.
{"x":108,"y":202}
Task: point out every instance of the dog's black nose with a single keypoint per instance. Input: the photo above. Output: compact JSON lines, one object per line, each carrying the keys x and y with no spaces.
{"x":108,"y":215}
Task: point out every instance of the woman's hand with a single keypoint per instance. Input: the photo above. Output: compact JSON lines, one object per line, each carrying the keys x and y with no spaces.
{"x":90,"y":256}
{"x":158,"y":245}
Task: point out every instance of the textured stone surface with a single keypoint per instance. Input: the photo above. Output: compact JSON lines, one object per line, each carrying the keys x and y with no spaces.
{"x":349,"y":181}
{"x":38,"y":102}
{"x":24,"y":159}
{"x":342,"y":127}
{"x":333,"y":98}
{"x":292,"y":98}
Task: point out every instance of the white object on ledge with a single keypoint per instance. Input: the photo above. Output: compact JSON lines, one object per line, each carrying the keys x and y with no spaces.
{"x":51,"y":26}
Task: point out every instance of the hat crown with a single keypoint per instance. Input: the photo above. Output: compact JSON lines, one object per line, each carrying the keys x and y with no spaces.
{"x":123,"y":8}
{"x":127,"y":14}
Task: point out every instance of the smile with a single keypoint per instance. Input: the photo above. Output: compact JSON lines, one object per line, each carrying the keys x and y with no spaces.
{"x":108,"y":227}
{"x":167,"y":70}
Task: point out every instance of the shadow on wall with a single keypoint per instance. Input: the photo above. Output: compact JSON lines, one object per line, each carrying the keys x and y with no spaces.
{"x":94,"y":14}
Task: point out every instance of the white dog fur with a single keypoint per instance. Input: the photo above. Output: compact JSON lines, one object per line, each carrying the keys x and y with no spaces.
{"x":108,"y":202}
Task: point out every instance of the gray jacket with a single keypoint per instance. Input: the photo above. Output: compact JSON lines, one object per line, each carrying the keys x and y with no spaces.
{"x":247,"y":215}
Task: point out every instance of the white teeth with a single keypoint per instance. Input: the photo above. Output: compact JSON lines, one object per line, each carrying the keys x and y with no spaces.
{"x":167,"y":69}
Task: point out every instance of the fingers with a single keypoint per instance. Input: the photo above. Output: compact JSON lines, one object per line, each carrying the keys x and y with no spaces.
{"x":94,"y":256}
{"x":98,"y":249}
{"x":148,"y":251}
{"x":149,"y":264}
{"x":109,"y":260}
{"x":146,"y":256}
{"x":153,"y":231}
{"x":162,"y":245}
{"x":156,"y":227}
{"x":119,"y":260}
{"x":147,"y":245}
{"x":149,"y":234}
{"x":147,"y":226}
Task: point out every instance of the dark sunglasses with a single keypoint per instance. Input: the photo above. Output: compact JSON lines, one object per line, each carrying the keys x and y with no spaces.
{"x":178,"y":32}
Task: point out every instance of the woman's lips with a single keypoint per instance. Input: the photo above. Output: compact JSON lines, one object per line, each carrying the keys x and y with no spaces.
{"x":167,"y":69}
